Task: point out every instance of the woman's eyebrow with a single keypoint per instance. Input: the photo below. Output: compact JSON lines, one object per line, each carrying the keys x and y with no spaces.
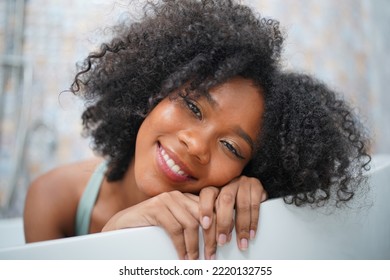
{"x":211,"y":100}
{"x":238,"y":130}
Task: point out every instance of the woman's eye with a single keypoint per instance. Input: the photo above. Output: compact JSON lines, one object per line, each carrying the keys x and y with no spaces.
{"x":233,"y":150}
{"x":194,"y":109}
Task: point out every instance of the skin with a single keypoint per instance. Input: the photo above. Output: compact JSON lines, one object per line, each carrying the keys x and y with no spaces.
{"x":200,"y":135}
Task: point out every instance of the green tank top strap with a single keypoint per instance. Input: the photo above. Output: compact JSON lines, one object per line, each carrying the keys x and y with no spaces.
{"x":88,"y":200}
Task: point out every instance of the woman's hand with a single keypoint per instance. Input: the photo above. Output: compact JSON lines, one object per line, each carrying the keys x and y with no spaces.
{"x":243,"y":194}
{"x":174,"y":211}
{"x":181,"y":214}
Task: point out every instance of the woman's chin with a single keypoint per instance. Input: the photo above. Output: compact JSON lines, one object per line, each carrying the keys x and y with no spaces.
{"x":153,"y":190}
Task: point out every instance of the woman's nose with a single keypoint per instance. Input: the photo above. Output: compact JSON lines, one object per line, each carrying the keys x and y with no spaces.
{"x":197,"y":144}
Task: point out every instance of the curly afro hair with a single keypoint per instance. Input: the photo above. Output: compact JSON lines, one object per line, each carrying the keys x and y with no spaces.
{"x":311,"y":147}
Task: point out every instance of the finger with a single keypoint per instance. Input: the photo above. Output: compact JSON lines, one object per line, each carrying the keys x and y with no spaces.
{"x":174,"y":230}
{"x":225,"y":210}
{"x":243,"y":214}
{"x":258,"y":195}
{"x":179,"y":222}
{"x":189,"y":220}
{"x":210,"y":243}
{"x":207,"y":197}
{"x":191,"y":196}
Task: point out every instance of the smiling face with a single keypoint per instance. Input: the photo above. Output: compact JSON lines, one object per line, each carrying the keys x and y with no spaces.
{"x":188,"y":143}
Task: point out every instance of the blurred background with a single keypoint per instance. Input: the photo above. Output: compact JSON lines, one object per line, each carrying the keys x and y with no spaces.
{"x":344,"y":43}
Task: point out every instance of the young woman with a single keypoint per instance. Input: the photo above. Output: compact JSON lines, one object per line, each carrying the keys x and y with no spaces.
{"x":194,"y":118}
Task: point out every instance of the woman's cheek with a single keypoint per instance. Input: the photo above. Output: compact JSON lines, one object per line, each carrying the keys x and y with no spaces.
{"x":224,"y":175}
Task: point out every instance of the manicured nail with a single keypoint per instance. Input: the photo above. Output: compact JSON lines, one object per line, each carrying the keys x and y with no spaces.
{"x":252,"y":234}
{"x":221,"y":239}
{"x":205,"y":222}
{"x":244,"y":244}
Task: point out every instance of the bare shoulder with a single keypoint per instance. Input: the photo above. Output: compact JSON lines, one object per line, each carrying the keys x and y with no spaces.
{"x":52,"y":200}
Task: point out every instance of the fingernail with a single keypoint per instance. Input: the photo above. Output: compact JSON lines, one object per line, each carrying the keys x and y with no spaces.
{"x":264,"y":197}
{"x":205,"y":222}
{"x":221,"y":239}
{"x":186,"y":257}
{"x":212,"y":257}
{"x":229,"y":237}
{"x":244,"y":244}
{"x":252,"y":234}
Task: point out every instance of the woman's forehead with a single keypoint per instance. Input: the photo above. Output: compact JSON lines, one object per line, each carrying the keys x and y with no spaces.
{"x":240,"y":101}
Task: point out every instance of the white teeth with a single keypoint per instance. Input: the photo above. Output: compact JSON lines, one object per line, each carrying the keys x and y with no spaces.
{"x":171,"y":164}
{"x":175,"y":168}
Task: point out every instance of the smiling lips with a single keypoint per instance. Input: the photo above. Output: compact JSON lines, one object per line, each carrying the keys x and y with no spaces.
{"x":171,"y":164}
{"x":170,"y":167}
